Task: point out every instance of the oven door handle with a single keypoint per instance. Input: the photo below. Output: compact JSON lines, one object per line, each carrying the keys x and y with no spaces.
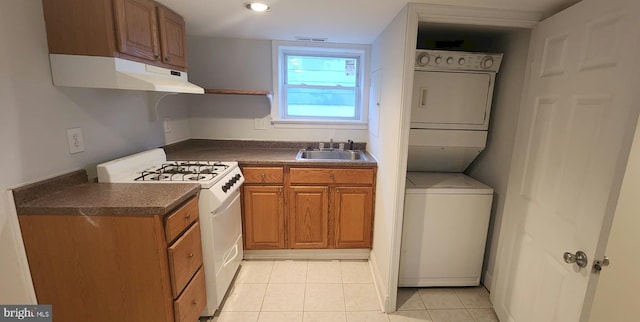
{"x":231,"y":257}
{"x":225,"y":206}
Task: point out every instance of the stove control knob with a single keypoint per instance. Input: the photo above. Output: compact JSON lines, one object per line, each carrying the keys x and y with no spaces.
{"x":238,"y":176}
{"x":450,"y":60}
{"x":224,"y":188}
{"x":461,"y":61}
{"x":438,"y":60}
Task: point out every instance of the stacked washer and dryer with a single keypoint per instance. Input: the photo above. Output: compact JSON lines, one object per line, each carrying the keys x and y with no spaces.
{"x":446,"y":213}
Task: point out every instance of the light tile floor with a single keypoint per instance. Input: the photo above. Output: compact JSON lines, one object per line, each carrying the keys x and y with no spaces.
{"x":340,"y":291}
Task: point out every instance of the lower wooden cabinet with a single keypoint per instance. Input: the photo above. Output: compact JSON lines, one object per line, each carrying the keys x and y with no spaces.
{"x":106,"y":268}
{"x":307,"y":207}
{"x":263,"y":217}
{"x":353,"y":212}
{"x":308,"y":217}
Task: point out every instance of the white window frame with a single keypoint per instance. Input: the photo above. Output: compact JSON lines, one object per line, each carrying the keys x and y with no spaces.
{"x":280,"y":48}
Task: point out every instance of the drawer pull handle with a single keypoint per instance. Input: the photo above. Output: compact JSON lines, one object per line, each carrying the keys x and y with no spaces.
{"x":331,"y":176}
{"x":190,"y":255}
{"x":263,"y":176}
{"x":194,"y":302}
{"x":187,"y":216}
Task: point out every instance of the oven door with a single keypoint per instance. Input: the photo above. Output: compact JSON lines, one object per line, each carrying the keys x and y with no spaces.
{"x":227,"y":227}
{"x":221,"y":245}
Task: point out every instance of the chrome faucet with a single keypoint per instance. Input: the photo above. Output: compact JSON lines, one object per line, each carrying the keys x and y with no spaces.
{"x":350,"y":144}
{"x":331,"y":144}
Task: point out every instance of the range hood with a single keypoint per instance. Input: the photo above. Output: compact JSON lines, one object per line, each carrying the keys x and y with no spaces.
{"x":117,"y":73}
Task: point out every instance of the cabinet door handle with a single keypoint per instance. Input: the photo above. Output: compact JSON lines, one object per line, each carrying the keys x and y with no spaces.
{"x":332,"y":176}
{"x":190,"y":255}
{"x":263,"y":176}
{"x":337,"y":189}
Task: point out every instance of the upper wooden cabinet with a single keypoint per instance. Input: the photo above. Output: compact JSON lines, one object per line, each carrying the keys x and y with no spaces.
{"x":139,"y":30}
{"x":172,"y":37}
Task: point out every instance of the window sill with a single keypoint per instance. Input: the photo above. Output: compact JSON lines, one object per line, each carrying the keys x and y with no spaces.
{"x":306,"y":124}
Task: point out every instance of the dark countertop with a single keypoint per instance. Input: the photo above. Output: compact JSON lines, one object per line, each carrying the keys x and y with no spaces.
{"x":73,"y":198}
{"x":264,"y":153}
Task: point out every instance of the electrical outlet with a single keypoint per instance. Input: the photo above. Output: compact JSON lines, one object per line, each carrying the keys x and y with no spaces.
{"x":167,"y":125}
{"x":261,"y":123}
{"x":76,"y":143}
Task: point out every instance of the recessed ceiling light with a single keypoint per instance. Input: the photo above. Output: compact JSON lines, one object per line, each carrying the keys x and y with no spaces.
{"x":257,"y":7}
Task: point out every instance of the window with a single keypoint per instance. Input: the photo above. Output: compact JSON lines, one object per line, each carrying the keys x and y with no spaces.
{"x":319,"y":84}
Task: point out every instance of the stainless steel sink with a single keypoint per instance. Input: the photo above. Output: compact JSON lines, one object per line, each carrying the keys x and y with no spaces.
{"x":350,"y":155}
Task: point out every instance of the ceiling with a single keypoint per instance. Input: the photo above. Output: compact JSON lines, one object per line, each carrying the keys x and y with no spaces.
{"x":341,"y":21}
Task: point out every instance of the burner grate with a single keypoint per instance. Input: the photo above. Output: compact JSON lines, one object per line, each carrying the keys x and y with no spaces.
{"x":184,"y":171}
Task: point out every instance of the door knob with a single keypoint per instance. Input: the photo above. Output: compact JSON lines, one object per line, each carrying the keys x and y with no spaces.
{"x":579,"y":258}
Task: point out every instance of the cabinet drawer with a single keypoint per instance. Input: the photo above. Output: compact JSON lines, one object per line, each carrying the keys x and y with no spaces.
{"x":192,"y":301}
{"x":181,"y":219}
{"x":331,"y":176}
{"x":185,"y":257}
{"x":263,"y":175}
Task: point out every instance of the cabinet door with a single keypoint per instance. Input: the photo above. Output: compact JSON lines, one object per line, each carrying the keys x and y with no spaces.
{"x":353,"y":217}
{"x":263,"y":217}
{"x":137,"y":28}
{"x":308,"y":217}
{"x":172,"y":37}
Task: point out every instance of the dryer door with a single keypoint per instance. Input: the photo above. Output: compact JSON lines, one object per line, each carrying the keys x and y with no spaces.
{"x":451,"y":100}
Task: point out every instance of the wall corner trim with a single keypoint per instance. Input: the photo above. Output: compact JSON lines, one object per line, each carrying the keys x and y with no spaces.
{"x":383,"y":294}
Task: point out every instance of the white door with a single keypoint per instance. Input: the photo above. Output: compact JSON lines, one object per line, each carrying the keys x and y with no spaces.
{"x":574,"y":132}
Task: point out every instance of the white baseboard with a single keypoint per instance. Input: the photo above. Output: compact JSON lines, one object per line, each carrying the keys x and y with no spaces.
{"x":487,"y":280}
{"x":317,"y":254}
{"x":378,"y":282}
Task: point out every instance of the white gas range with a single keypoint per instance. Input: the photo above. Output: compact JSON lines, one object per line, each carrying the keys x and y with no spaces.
{"x":219,"y":203}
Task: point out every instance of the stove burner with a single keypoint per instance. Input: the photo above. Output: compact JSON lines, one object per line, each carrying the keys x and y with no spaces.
{"x":152,"y":176}
{"x":184,"y":171}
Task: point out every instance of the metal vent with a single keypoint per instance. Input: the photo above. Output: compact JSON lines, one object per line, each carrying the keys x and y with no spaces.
{"x":311,"y":39}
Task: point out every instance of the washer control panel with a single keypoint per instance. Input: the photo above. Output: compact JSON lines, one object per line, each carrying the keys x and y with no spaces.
{"x":427,"y":59}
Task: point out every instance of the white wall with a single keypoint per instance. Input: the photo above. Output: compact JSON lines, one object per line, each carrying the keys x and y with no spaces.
{"x":389,"y":146}
{"x":173,"y":110}
{"x":493,"y":164}
{"x":34,"y":116}
{"x":615,"y":298}
{"x":241,"y":64}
